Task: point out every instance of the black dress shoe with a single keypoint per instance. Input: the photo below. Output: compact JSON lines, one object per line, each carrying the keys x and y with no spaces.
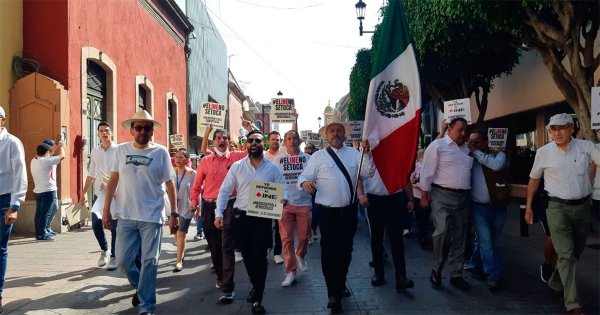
{"x":460,"y":283}
{"x":377,"y":281}
{"x":335,"y":304}
{"x":493,"y":286}
{"x":346,"y":292}
{"x":257,"y":308}
{"x":401,"y":286}
{"x":135,"y":300}
{"x":435,"y":278}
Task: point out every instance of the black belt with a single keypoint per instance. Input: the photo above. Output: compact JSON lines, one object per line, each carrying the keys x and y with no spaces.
{"x":334,"y":208}
{"x":572,"y":202}
{"x":206,"y":201}
{"x":449,"y":189}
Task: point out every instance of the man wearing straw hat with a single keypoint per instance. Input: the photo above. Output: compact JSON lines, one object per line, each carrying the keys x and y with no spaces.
{"x":331,"y":174}
{"x":140,"y":168}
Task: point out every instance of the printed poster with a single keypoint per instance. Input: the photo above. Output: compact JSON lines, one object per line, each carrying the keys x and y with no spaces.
{"x":595,"y":107}
{"x":177,"y":141}
{"x":282,"y":109}
{"x":263,"y":200}
{"x":305,"y":134}
{"x":497,"y":138}
{"x":211,"y":113}
{"x":357,"y":130}
{"x":292,"y":166}
{"x":458,"y":108}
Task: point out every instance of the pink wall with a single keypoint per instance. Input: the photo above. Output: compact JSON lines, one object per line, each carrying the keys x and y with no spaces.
{"x":235,"y":112}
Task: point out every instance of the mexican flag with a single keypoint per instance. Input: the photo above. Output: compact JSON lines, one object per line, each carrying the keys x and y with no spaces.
{"x":393,"y":111}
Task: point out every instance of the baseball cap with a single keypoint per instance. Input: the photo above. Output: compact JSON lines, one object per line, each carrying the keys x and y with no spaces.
{"x":49,"y":142}
{"x":2,"y":113}
{"x":560,"y":120}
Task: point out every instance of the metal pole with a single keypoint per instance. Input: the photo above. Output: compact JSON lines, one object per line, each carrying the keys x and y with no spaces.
{"x":362,"y":156}
{"x":263,"y":118}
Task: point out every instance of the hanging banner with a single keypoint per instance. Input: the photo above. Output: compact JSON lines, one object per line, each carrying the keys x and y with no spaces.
{"x":458,"y":108}
{"x":497,"y":138}
{"x":595,"y":107}
{"x":263,"y":200}
{"x":177,"y":141}
{"x":282,"y":109}
{"x":211,"y":113}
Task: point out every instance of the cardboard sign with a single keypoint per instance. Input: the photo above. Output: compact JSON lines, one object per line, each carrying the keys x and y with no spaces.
{"x":282,"y":109}
{"x":263,"y":200}
{"x":292,"y":166}
{"x":177,"y":141}
{"x":497,"y":138}
{"x":76,"y":213}
{"x":305,"y":134}
{"x":458,"y":108}
{"x":211,"y":113}
{"x":595,"y":110}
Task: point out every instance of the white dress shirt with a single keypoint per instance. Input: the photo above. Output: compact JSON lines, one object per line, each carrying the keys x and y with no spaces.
{"x":239,"y":177}
{"x":100,"y":164}
{"x":332,"y":186}
{"x":13,"y":173}
{"x":446,"y":164}
{"x":479,"y":189}
{"x":566,"y":173}
{"x":375,"y":186}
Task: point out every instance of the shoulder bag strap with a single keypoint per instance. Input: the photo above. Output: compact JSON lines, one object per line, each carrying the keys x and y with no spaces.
{"x":337,"y":161}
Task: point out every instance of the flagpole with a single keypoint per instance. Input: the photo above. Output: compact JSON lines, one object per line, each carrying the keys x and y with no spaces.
{"x":362,"y":156}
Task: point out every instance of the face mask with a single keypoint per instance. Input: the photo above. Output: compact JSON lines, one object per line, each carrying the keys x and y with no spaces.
{"x":221,"y":154}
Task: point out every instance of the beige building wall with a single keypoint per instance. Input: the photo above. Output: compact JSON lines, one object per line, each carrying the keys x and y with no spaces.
{"x":11,"y":43}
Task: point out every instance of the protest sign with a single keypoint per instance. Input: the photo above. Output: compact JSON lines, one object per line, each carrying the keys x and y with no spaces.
{"x":212,"y":113}
{"x":282,"y":109}
{"x":291,"y":166}
{"x":357,"y":130}
{"x":305,"y":134}
{"x":458,"y":108}
{"x":263,"y":200}
{"x":177,"y":141}
{"x":595,"y":107}
{"x":497,"y":138}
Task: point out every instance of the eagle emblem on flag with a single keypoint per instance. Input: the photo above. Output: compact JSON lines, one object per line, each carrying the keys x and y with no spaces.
{"x":391,"y":98}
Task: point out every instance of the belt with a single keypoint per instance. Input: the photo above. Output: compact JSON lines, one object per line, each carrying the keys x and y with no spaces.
{"x":450,"y":189}
{"x":209,"y":200}
{"x":571,"y":202}
{"x":334,"y":208}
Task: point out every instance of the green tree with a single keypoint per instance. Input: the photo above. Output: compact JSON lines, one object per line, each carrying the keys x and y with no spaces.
{"x":360,"y":76}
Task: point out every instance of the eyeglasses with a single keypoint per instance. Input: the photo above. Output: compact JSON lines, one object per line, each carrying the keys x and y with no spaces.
{"x":146,"y":128}
{"x":252,"y":140}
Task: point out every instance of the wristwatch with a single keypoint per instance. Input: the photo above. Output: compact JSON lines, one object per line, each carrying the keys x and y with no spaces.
{"x":174,"y":214}
{"x":15,"y":208}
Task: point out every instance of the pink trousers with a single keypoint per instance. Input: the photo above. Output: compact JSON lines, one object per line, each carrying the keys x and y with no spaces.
{"x":294,"y":217}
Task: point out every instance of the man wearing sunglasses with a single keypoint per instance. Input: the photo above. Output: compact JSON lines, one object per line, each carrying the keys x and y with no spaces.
{"x":255,"y":232}
{"x":138,"y":171}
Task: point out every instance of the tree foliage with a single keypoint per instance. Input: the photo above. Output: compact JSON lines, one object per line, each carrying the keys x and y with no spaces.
{"x":360,"y":76}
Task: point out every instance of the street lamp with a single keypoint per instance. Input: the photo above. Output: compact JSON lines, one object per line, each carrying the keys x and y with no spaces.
{"x":279,"y":94}
{"x":319,"y":119}
{"x":360,"y":15}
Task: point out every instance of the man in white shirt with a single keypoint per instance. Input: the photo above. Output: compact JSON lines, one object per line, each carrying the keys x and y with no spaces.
{"x":43,"y":171}
{"x":564,"y":163}
{"x":13,"y":176}
{"x":255,"y":232}
{"x":445,"y":183}
{"x":100,"y":168}
{"x":337,"y":211}
{"x":139,"y":171}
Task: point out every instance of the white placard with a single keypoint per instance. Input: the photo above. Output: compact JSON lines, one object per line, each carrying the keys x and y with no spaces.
{"x":263,"y":200}
{"x":292,"y":166}
{"x":595,"y":107}
{"x":458,"y":108}
{"x":314,"y":138}
{"x":497,"y":138}
{"x":177,"y":141}
{"x":305,"y":134}
{"x":357,"y":130}
{"x":212,"y":113}
{"x":282,"y":109}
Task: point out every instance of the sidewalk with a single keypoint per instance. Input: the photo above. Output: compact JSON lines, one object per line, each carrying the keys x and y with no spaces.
{"x":62,"y":278}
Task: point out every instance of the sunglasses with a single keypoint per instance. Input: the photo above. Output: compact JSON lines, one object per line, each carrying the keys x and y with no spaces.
{"x":252,"y":140}
{"x":146,"y":128}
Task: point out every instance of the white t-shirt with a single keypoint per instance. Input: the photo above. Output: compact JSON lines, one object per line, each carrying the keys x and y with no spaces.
{"x":43,"y":171}
{"x":142,"y":172}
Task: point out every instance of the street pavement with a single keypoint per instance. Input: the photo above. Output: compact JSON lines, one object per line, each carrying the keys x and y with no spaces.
{"x":62,"y":277}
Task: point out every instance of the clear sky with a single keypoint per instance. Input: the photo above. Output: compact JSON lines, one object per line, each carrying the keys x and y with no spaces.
{"x":305,"y":49}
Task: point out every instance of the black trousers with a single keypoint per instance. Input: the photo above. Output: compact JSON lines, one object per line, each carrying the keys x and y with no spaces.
{"x":388,"y":213}
{"x":226,"y":247}
{"x":213,"y":235}
{"x":276,"y":238}
{"x":338,"y":226}
{"x":255,"y":239}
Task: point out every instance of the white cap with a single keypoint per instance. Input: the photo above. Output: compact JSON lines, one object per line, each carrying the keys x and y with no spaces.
{"x":2,"y":113}
{"x":560,"y":120}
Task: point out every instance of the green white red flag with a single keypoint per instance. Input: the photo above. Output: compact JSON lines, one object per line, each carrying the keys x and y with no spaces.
{"x":393,"y":112}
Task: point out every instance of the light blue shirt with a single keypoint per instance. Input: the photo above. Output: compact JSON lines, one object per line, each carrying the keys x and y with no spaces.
{"x":479,"y":189}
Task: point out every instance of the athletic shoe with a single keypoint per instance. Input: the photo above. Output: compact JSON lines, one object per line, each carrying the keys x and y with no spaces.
{"x":238,"y":256}
{"x":46,"y":238}
{"x":227,"y":298}
{"x":104,"y":258}
{"x":277,"y":259}
{"x":546,"y":272}
{"x":219,"y":284}
{"x":290,"y":280}
{"x":301,"y":262}
{"x":199,"y":237}
{"x":406,"y":233}
{"x":112,"y":264}
{"x":257,"y":308}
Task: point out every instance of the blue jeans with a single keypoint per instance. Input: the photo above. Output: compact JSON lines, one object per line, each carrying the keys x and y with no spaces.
{"x":99,"y":232}
{"x":133,"y":236}
{"x":199,"y":226}
{"x":4,"y":236}
{"x":488,"y":221}
{"x":45,"y":208}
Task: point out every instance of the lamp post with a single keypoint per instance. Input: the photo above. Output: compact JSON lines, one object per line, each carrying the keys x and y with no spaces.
{"x":360,"y":15}
{"x":319,"y":119}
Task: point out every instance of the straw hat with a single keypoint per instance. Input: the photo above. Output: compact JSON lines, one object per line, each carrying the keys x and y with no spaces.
{"x":336,"y":120}
{"x":141,"y":116}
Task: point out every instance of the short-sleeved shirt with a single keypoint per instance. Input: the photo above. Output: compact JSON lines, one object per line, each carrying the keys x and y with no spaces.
{"x":43,"y":171}
{"x":566,"y":173}
{"x":142,"y":172}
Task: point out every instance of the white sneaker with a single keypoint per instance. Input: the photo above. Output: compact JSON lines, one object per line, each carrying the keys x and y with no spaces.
{"x":278,"y":259}
{"x":238,"y":256}
{"x":199,"y":237}
{"x":112,"y":264}
{"x":104,"y":257}
{"x":290,"y":280}
{"x":301,"y":262}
